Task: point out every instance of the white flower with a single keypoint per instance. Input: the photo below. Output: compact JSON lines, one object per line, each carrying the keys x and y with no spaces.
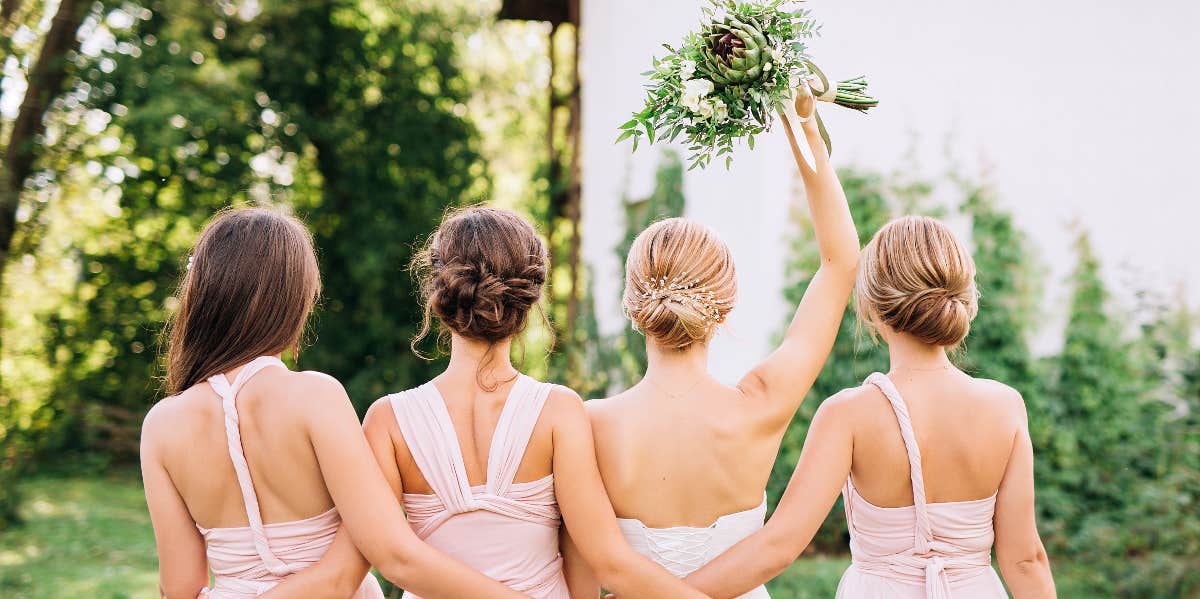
{"x":687,"y":68}
{"x":705,"y":111}
{"x":693,"y":91}
{"x":720,"y":110}
{"x":776,"y":54}
{"x":766,"y":67}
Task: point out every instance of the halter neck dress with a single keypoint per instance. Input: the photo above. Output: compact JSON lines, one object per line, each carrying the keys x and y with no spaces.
{"x":684,"y":549}
{"x":247,"y":561}
{"x":922,"y":551}
{"x":504,"y":529}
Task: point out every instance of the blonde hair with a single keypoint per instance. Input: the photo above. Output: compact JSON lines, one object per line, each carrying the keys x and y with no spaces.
{"x":680,"y":282}
{"x":916,"y":277}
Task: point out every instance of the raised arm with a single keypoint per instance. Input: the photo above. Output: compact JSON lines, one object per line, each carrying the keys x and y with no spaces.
{"x":182,"y":562}
{"x":786,"y":375}
{"x":369,"y":509}
{"x":822,"y":470}
{"x":1019,"y":549}
{"x":589,"y":515}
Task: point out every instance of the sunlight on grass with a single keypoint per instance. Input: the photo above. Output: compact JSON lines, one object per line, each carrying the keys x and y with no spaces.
{"x":83,"y":537}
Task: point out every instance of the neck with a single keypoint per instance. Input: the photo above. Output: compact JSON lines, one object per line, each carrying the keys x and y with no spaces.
{"x":908,"y":354}
{"x":672,"y":368}
{"x":489,"y":363}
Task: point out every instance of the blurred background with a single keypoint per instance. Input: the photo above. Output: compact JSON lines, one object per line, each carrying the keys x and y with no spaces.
{"x":1057,"y":138}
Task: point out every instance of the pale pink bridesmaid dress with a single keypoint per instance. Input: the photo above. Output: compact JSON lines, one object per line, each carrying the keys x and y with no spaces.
{"x":504,"y":529}
{"x":923,"y":551}
{"x":247,"y":561}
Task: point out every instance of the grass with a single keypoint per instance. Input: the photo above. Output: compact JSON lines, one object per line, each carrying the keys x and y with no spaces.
{"x":90,"y":537}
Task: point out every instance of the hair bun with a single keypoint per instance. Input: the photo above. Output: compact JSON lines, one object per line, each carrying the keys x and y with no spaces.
{"x":680,"y":283}
{"x":916,"y":278}
{"x":485,"y":271}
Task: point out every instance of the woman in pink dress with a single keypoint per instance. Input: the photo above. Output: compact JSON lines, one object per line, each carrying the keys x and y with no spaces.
{"x":489,"y":463}
{"x":250,"y":468}
{"x":935,"y":466}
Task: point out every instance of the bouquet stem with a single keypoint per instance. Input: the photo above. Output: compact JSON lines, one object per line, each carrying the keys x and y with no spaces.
{"x":850,"y":93}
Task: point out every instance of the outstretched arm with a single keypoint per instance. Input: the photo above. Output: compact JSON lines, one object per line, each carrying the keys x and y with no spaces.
{"x":786,"y":375}
{"x":589,"y":515}
{"x":822,"y":470}
{"x":370,"y":510}
{"x":1019,"y":549}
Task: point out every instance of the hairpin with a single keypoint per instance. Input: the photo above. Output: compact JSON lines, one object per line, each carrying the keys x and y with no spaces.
{"x":681,"y":290}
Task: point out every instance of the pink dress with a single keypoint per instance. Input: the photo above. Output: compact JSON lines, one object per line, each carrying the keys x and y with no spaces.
{"x":247,"y":561}
{"x":922,"y":551}
{"x":506,"y":530}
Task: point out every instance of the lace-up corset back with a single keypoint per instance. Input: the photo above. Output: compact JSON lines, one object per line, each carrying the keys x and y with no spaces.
{"x":505,"y":529}
{"x":247,"y":561}
{"x":946,"y":551}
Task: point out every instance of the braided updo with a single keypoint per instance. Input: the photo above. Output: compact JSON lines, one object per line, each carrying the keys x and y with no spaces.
{"x":680,"y":283}
{"x":917,"y":278}
{"x":481,"y":273}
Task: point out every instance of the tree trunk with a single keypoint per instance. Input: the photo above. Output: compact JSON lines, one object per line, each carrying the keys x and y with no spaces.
{"x":46,"y":81}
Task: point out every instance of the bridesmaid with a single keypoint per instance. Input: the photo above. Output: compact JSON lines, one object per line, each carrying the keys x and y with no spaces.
{"x":935,"y":467}
{"x":251,"y":468}
{"x":685,"y":458}
{"x":483,"y":457}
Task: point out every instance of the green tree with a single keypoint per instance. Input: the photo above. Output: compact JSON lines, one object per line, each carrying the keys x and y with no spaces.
{"x":377,"y":97}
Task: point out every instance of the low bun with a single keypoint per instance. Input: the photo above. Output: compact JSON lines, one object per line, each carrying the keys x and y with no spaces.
{"x":680,"y":283}
{"x":915,"y":277}
{"x":482,"y":273}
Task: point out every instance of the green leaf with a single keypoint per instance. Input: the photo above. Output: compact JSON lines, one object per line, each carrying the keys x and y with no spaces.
{"x":750,"y":142}
{"x":627,"y":134}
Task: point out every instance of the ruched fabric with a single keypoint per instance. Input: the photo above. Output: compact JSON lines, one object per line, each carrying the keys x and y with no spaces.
{"x":247,"y":561}
{"x":504,"y":529}
{"x":922,"y":551}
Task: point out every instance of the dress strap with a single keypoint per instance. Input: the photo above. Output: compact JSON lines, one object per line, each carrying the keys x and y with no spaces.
{"x":923,"y":535}
{"x":511,"y":438}
{"x":429,"y":434}
{"x":228,"y":393}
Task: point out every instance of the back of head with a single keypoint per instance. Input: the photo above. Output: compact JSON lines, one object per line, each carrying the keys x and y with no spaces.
{"x":481,"y":273}
{"x":916,"y":277}
{"x":680,"y":282}
{"x":250,"y":285}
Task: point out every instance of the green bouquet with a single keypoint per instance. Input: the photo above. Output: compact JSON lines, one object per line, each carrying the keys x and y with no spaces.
{"x":728,"y":80}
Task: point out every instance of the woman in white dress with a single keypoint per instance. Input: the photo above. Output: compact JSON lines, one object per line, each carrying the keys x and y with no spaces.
{"x":685,"y":458}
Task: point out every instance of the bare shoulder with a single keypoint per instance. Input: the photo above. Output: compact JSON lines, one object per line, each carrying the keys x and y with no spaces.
{"x":564,"y":408}
{"x":851,"y":400}
{"x":381,"y":416}
{"x":174,"y":414}
{"x":1001,"y":398}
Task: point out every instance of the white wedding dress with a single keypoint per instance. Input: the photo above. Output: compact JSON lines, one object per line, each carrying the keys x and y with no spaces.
{"x":684,"y":549}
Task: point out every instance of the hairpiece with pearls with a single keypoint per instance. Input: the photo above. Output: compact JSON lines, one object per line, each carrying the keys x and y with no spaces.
{"x":684,"y":291}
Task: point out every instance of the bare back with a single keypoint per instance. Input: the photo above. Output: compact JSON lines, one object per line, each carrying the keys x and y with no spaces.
{"x":683,"y":461}
{"x":965,"y":428}
{"x":283,"y":466}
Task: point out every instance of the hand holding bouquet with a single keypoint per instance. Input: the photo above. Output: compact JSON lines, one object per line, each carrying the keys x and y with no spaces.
{"x":728,"y":80}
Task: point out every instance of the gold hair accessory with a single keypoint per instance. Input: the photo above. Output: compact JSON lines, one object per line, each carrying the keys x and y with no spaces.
{"x":683,"y":291}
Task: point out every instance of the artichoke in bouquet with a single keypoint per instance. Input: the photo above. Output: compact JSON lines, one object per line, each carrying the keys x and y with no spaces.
{"x":729,"y":78}
{"x":735,"y":53}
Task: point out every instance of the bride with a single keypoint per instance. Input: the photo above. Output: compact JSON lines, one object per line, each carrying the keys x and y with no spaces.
{"x":685,"y":458}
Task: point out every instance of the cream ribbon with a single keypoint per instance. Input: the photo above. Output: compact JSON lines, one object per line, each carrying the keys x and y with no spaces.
{"x":793,"y":119}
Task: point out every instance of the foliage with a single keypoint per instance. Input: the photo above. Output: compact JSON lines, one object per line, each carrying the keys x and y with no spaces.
{"x":726,"y":81}
{"x":377,"y":97}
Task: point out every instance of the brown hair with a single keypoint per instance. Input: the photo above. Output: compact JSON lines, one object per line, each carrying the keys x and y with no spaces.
{"x":917,"y":278}
{"x":480,"y":273}
{"x":250,"y":285}
{"x":680,"y":282}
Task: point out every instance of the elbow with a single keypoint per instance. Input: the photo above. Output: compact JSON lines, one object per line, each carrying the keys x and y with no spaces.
{"x":1031,"y":564}
{"x":609,"y":567}
{"x":189,"y":590}
{"x":780,"y":551}
{"x":398,"y":566}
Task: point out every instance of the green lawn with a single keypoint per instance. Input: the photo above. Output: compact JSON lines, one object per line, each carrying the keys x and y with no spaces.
{"x":90,"y":537}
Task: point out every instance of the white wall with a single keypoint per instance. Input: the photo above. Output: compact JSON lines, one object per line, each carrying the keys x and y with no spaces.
{"x":1077,"y":110}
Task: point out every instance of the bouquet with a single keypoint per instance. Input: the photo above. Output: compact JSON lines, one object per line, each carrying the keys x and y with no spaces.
{"x":728,"y":80}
